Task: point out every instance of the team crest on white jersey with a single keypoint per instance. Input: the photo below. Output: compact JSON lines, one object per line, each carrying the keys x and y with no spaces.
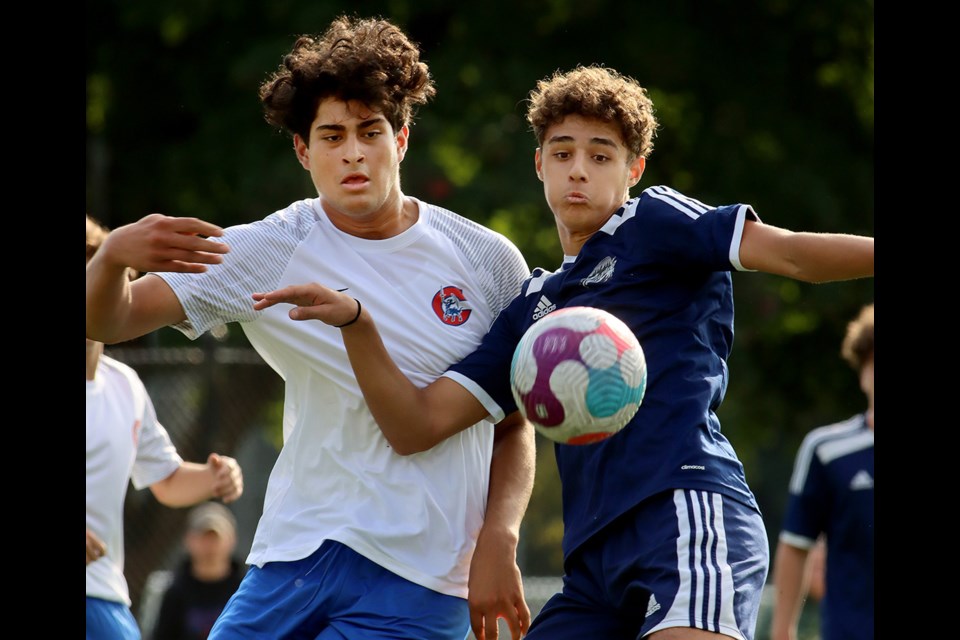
{"x":602,"y":272}
{"x":451,"y":306}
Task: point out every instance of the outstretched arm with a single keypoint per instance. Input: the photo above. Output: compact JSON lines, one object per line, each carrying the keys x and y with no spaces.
{"x":412,"y":419}
{"x":811,"y":257}
{"x":221,"y":477}
{"x":496,"y":586}
{"x":119,"y":310}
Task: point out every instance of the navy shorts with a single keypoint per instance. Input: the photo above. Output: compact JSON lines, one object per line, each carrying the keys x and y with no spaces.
{"x":684,"y":558}
{"x":337,"y":594}
{"x":108,"y":619}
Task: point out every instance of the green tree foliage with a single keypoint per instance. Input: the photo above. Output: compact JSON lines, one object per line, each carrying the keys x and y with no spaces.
{"x":766,"y":102}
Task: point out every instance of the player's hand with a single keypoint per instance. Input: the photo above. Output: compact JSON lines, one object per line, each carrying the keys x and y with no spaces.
{"x":227,"y":477}
{"x":496,"y":589}
{"x":95,"y":547}
{"x":311,"y":302}
{"x":164,"y":243}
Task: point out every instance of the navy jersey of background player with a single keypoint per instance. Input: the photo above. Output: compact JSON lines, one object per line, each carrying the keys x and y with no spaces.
{"x":831,"y":491}
{"x":662,"y":265}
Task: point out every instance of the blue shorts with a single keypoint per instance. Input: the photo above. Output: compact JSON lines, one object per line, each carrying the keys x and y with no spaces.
{"x":108,"y":620}
{"x":336,"y":593}
{"x":682,"y":558}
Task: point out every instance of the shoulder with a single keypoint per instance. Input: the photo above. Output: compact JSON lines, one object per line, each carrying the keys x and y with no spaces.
{"x":449,"y":222}
{"x":666,"y":201}
{"x":836,"y":440}
{"x":297,"y":219}
{"x":110,"y":367}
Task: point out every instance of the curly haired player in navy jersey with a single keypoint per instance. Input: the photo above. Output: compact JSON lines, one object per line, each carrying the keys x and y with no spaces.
{"x":662,"y":536}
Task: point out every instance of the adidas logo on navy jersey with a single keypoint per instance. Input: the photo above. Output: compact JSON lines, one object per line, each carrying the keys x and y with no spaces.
{"x":653,"y":606}
{"x":862,"y":480}
{"x":543,"y":308}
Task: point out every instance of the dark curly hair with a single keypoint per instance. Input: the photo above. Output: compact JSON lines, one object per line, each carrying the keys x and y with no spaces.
{"x":600,"y":93}
{"x":368,"y":60}
{"x":857,"y":347}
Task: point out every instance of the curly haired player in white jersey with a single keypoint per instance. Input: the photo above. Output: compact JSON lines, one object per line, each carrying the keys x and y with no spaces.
{"x":357,"y":539}
{"x":662,"y":537}
{"x":125,"y":443}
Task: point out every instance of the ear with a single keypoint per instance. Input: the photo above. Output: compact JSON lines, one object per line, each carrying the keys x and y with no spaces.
{"x":635,"y":171}
{"x":539,"y":163}
{"x":300,"y":148}
{"x":402,"y":137}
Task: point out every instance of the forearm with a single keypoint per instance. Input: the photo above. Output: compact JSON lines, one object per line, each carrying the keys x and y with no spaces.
{"x":789,"y":590}
{"x":108,"y":299}
{"x":412,"y":419}
{"x":511,"y":477}
{"x":188,"y":485}
{"x":830,"y":257}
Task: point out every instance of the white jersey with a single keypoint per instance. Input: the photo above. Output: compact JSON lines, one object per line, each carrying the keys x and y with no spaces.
{"x":124,"y":442}
{"x":434,"y":291}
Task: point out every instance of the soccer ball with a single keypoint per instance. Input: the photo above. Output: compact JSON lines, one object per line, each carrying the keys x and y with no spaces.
{"x":578,"y":375}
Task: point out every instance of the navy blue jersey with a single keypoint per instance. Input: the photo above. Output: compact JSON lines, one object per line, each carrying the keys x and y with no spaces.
{"x":831,"y":492}
{"x":662,"y":265}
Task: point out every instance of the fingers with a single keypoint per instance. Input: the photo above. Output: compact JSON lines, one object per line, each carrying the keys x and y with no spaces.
{"x":96,"y":549}
{"x":228,"y":477}
{"x":490,"y":627}
{"x":476,"y":624}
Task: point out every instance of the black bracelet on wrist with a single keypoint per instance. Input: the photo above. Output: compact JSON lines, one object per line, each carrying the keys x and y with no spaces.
{"x":355,"y":318}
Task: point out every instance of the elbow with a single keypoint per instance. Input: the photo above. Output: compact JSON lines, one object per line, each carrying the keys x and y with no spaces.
{"x":408,"y":447}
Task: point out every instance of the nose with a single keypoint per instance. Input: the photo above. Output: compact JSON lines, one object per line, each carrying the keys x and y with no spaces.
{"x":578,"y":172}
{"x":352,"y":151}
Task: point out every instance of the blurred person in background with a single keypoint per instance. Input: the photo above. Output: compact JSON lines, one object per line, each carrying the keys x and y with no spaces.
{"x":831,"y":497}
{"x":205,"y":579}
{"x":125,"y":443}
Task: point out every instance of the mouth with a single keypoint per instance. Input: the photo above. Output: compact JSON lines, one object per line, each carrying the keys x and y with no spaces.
{"x":575,"y":197}
{"x":354,"y":181}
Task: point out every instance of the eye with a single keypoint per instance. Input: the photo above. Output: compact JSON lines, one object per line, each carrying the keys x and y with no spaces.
{"x":333,"y":137}
{"x":561,"y":155}
{"x":600,"y":158}
{"x":373,"y":134}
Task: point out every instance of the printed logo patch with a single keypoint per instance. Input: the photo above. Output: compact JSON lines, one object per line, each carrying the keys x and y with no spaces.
{"x":544,"y":306}
{"x":602,"y":272}
{"x":451,"y":306}
{"x":863,"y":480}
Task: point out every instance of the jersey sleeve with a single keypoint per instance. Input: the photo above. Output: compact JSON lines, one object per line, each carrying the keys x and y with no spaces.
{"x":485,"y":373}
{"x":685,"y":232}
{"x":258,"y":257}
{"x":156,"y":456}
{"x":807,"y":500}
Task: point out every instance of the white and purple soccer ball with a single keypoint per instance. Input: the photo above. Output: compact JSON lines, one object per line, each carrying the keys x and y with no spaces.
{"x":578,"y":375}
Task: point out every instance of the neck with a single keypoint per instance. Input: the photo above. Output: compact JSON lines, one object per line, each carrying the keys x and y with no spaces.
{"x":210,"y":570}
{"x":395,"y":216}
{"x":94,"y":350}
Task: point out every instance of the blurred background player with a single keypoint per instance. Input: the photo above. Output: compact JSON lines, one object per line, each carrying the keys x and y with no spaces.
{"x":126,"y":443}
{"x":205,"y":579}
{"x":831,"y":493}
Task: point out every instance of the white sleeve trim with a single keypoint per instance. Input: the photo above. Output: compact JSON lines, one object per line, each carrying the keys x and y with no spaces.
{"x":738,"y":236}
{"x":496,"y":414}
{"x":794,"y":540}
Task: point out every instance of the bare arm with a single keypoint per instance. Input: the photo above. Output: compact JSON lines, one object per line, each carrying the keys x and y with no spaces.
{"x":118,"y":310}
{"x":790,"y":590}
{"x":191,"y":483}
{"x":811,"y":257}
{"x":411,"y":419}
{"x":496,"y":586}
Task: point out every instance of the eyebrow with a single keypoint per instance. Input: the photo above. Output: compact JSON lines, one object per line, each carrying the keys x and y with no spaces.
{"x":567,"y":139}
{"x":363,"y":125}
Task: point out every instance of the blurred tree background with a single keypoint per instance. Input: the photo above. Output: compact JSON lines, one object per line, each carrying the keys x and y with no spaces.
{"x":767,"y":102}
